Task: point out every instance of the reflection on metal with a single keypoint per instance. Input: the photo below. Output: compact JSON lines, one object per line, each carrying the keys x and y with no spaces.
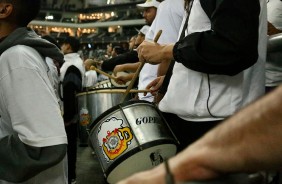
{"x":89,"y":25}
{"x":274,"y":43}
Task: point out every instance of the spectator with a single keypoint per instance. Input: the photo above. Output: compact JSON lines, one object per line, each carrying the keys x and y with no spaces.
{"x":31,"y":125}
{"x":72,"y":78}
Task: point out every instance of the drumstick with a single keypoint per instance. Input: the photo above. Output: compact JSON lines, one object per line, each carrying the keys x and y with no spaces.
{"x":138,"y":70}
{"x":139,"y":91}
{"x":102,"y":72}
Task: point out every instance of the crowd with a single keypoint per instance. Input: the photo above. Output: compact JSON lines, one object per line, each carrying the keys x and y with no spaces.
{"x":214,"y":73}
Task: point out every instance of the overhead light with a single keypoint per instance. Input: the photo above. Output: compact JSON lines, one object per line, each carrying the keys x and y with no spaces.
{"x":49,"y":17}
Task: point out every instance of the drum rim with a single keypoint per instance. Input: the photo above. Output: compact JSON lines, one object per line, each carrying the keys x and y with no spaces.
{"x":112,"y":109}
{"x":119,"y":90}
{"x":135,"y":150}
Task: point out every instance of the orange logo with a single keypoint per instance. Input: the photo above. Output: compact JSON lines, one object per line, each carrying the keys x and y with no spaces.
{"x":115,"y":143}
{"x":84,"y":118}
{"x":114,"y":137}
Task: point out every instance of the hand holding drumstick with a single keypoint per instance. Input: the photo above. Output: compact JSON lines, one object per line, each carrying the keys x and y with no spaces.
{"x":138,"y":70}
{"x":102,"y":72}
{"x":155,"y":85}
{"x":154,"y":53}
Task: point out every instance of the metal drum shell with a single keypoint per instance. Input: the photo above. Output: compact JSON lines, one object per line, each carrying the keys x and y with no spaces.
{"x":274,"y":43}
{"x":151,"y":135}
{"x":98,"y":100}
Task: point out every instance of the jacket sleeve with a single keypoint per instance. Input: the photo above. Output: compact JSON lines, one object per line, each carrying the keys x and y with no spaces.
{"x":72,"y":84}
{"x":230,"y":46}
{"x":19,"y":162}
{"x":128,"y":57}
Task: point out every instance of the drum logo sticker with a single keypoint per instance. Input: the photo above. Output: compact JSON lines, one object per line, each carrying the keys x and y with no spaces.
{"x":156,"y":158}
{"x":114,"y":138}
{"x":84,"y":117}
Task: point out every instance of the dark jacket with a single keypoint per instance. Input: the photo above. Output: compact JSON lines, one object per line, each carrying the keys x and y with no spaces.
{"x":223,"y":49}
{"x":128,"y":57}
{"x":72,"y":84}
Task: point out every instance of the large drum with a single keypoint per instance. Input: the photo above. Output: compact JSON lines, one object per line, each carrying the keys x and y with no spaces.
{"x":93,"y":103}
{"x":131,"y":137}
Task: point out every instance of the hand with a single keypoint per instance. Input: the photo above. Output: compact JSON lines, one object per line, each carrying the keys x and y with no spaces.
{"x":123,"y":79}
{"x":155,"y":85}
{"x":186,"y":166}
{"x":118,"y":68}
{"x":98,"y":63}
{"x":146,"y":177}
{"x":154,"y":53}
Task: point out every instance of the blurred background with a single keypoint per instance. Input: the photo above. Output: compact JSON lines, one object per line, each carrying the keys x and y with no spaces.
{"x":96,"y":23}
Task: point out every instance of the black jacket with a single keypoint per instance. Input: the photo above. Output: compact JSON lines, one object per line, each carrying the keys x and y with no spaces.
{"x":128,"y":57}
{"x":230,"y":46}
{"x":72,"y":84}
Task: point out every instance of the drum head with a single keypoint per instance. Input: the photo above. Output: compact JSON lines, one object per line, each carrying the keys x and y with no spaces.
{"x":120,"y":85}
{"x":140,"y":161}
{"x":105,"y":84}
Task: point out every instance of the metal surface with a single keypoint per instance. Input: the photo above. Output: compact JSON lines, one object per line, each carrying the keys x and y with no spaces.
{"x":98,"y":101}
{"x":274,"y":43}
{"x":129,"y":138}
{"x":92,"y":104}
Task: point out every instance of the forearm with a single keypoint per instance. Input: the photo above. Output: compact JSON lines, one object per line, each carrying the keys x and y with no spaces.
{"x":132,"y":67}
{"x":248,"y":141}
{"x":163,"y":67}
{"x":127,"y":78}
{"x":129,"y":57}
{"x":167,"y":52}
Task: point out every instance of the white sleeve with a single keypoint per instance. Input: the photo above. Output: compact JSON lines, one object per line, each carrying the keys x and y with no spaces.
{"x":30,"y":101}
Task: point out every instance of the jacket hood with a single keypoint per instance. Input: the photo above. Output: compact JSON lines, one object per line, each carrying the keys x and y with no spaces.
{"x":26,"y":36}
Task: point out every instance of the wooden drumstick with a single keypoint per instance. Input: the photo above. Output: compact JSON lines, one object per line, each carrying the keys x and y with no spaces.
{"x":138,"y":70}
{"x":139,"y":91}
{"x":102,"y":72}
{"x":158,"y":36}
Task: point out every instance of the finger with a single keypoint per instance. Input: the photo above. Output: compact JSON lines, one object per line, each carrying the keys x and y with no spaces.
{"x":151,"y":87}
{"x":141,"y":46}
{"x":115,"y":72}
{"x":120,"y":81}
{"x":154,"y":93}
{"x":148,"y":87}
{"x":153,"y":83}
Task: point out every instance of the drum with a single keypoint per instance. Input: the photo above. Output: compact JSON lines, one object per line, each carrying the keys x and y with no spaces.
{"x":84,"y":118}
{"x":93,"y":103}
{"x":106,"y":84}
{"x":131,"y":137}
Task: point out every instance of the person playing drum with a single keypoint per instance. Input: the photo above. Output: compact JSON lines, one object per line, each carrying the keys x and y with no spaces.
{"x":219,"y":67}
